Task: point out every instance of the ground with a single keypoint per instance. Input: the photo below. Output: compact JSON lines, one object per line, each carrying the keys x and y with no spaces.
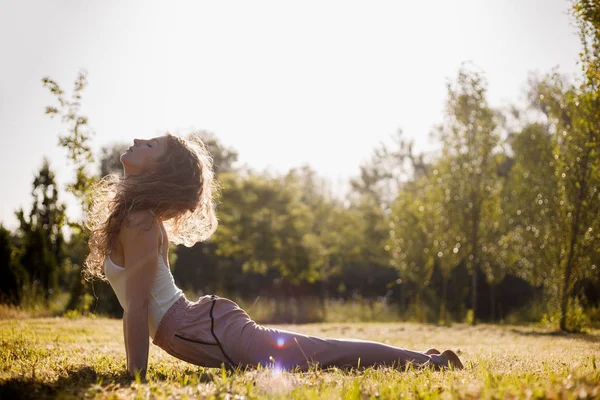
{"x":85,"y":357}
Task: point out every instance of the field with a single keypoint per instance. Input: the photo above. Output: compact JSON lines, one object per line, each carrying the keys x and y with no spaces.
{"x":85,"y":357}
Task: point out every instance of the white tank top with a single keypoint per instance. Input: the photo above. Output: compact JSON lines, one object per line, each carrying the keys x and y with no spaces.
{"x":163,"y":294}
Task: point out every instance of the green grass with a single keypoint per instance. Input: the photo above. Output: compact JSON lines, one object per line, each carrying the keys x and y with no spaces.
{"x":85,"y":357}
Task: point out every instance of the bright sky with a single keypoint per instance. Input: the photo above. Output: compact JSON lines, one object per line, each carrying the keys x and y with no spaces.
{"x":283,"y":83}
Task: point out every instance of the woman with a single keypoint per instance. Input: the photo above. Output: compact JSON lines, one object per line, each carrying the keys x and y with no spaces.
{"x":166,"y":196}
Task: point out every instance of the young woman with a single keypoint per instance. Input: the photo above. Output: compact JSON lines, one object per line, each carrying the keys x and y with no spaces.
{"x":166,"y":196}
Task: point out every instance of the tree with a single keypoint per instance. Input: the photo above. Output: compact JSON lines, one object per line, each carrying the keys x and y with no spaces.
{"x":468,"y":172}
{"x":262,"y":224}
{"x":576,"y":118}
{"x":77,"y":140}
{"x":531,"y":244}
{"x":224,"y":157}
{"x":373,"y":193}
{"x":384,"y":174}
{"x":446,"y":238}
{"x":12,"y":276}
{"x":319,"y":238}
{"x":573,"y":119}
{"x":77,"y":144}
{"x":411,"y":240}
{"x":42,"y":232}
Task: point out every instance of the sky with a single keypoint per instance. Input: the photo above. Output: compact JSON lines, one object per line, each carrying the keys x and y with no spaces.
{"x":283,"y":83}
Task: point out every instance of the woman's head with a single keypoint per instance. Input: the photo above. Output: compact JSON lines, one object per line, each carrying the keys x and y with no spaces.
{"x":167,"y":175}
{"x":143,"y":154}
{"x":170,"y":177}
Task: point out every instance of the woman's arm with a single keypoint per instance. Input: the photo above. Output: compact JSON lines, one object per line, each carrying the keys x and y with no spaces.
{"x":140,"y":244}
{"x":125,"y":335}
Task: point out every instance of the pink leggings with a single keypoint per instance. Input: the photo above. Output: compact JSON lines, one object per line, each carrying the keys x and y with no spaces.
{"x":215,"y":331}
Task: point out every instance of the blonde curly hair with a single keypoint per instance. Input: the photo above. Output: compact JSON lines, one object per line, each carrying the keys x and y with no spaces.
{"x":179,"y":190}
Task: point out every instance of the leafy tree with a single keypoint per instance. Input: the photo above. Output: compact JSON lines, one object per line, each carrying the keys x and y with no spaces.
{"x":262,"y":225}
{"x":575,"y":115}
{"x":76,"y":141}
{"x":437,"y":209}
{"x":572,"y":120}
{"x":468,"y":174}
{"x":318,"y":238}
{"x":42,"y":232}
{"x":224,"y":157}
{"x":384,"y":174}
{"x":531,"y":244}
{"x":12,"y":276}
{"x":373,"y":193}
{"x":411,"y":240}
{"x":370,"y":221}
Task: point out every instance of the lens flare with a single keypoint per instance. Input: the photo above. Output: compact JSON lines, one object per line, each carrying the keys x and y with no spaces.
{"x":280,"y":342}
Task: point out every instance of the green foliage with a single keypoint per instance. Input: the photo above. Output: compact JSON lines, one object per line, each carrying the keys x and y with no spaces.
{"x":469,"y":317}
{"x":587,"y":18}
{"x":223,"y":157}
{"x":42,"y":252}
{"x":574,"y":118}
{"x":12,"y":275}
{"x":77,"y":139}
{"x":449,"y":211}
{"x":83,"y":308}
{"x":577,"y":318}
{"x":531,"y":207}
{"x":411,"y":240}
{"x":573,"y":206}
{"x":470,"y":144}
{"x":265,"y":226}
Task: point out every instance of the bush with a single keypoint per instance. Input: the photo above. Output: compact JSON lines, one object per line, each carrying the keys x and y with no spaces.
{"x":469,"y":317}
{"x":577,"y":319}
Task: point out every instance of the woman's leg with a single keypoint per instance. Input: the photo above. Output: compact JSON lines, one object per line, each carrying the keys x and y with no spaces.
{"x":217,"y":330}
{"x":287,"y":350}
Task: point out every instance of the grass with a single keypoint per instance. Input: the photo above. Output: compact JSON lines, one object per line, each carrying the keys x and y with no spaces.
{"x":85,"y":357}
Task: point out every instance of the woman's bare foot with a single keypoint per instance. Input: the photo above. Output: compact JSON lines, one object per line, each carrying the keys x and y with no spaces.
{"x":452,"y":358}
{"x":432,"y":351}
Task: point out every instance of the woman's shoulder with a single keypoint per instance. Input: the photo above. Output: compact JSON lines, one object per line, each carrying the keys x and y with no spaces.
{"x":141,"y":223}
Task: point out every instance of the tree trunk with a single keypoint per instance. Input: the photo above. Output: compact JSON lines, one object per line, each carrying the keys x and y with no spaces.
{"x":443,"y":310}
{"x":564,"y":301}
{"x":418,"y":306}
{"x":402,"y":288}
{"x":323,"y":300}
{"x":474,"y":262}
{"x":492,"y":302}
{"x":474,"y":295}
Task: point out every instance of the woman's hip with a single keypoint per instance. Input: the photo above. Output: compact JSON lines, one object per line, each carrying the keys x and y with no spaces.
{"x":207,"y":332}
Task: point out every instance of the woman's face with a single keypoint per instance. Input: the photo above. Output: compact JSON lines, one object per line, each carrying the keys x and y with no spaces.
{"x":143,"y":154}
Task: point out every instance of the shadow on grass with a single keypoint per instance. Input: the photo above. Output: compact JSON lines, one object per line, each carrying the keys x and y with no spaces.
{"x":76,"y":384}
{"x":587,"y":337}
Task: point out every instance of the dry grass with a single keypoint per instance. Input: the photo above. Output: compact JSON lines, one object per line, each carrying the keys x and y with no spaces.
{"x":84,"y":357}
